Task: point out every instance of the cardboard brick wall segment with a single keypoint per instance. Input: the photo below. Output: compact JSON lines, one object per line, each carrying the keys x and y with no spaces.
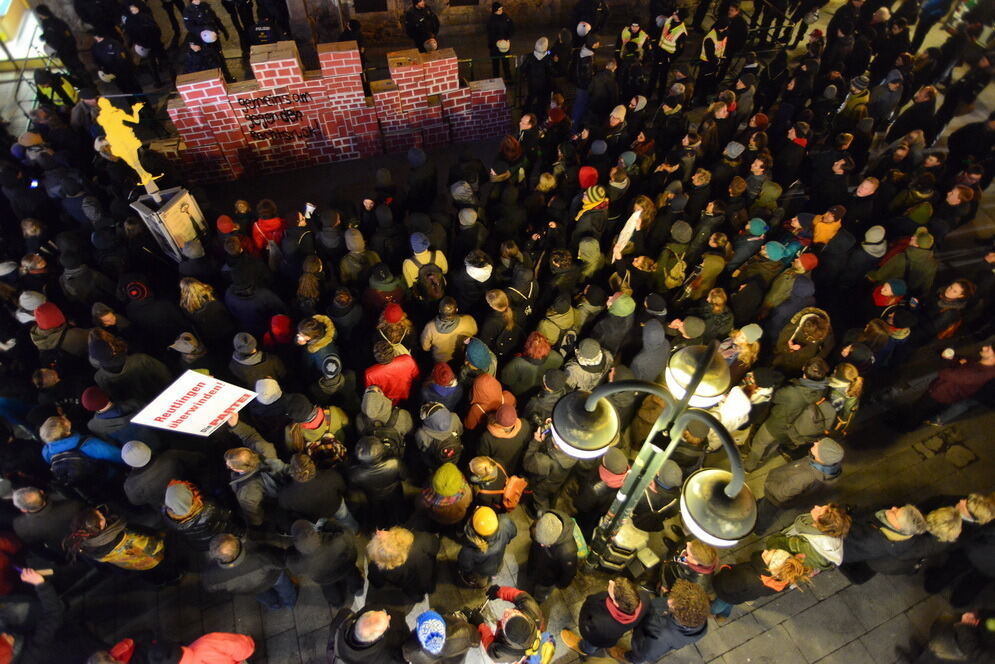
{"x":288,"y":118}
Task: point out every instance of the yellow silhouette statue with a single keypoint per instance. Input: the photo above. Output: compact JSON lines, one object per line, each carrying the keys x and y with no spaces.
{"x":123,"y":142}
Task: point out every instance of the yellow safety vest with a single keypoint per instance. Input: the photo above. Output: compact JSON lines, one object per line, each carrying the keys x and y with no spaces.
{"x":639,"y":40}
{"x":53,"y":93}
{"x":668,"y":38}
{"x":720,"y":45}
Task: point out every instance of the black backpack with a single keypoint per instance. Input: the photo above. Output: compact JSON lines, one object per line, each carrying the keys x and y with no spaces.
{"x":446,"y":451}
{"x":387,"y":433}
{"x":73,"y":468}
{"x":431,"y":282}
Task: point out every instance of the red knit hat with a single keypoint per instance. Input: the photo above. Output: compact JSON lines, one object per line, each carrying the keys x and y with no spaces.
{"x":506,"y":416}
{"x":225,"y":224}
{"x":393,"y":313}
{"x":442,"y":374}
{"x":588,"y":177}
{"x":809,"y":261}
{"x":94,"y":399}
{"x":48,"y":316}
{"x":282,"y":328}
{"x":761,"y":120}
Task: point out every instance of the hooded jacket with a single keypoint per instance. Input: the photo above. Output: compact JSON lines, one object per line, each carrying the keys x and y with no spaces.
{"x":505,"y":445}
{"x":377,"y":410}
{"x":206,"y":521}
{"x":473,"y":559}
{"x":486,"y":396}
{"x":247,"y":370}
{"x":587,"y":376}
{"x":821,"y":551}
{"x":378,"y":476}
{"x":318,"y":498}
{"x":793,"y":361}
{"x":334,"y":561}
{"x":70,"y":340}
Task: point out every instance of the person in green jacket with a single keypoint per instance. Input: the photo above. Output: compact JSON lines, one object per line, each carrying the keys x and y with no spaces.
{"x":818,"y":534}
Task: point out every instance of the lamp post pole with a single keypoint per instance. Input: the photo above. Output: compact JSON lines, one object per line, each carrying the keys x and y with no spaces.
{"x":672,"y":422}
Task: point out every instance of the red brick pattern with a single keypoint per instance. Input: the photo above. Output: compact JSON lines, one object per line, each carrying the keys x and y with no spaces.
{"x":288,"y":118}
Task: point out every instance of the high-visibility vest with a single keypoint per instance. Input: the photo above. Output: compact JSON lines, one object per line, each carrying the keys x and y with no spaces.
{"x":640,"y":39}
{"x":669,"y":38}
{"x":63,"y":94}
{"x":720,"y":45}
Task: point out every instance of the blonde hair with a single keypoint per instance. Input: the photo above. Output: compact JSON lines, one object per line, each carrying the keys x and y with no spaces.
{"x":792,"y":571}
{"x":748,"y":350}
{"x":388,"y":549}
{"x":717,"y":298}
{"x":705,"y":554}
{"x":981,"y":507}
{"x":848,"y":372}
{"x":648,"y":215}
{"x":944,"y":524}
{"x":194,"y":294}
{"x":547,"y":183}
{"x":56,"y":427}
{"x":498,"y":301}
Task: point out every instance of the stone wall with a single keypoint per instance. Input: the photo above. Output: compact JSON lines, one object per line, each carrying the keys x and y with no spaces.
{"x":288,"y":118}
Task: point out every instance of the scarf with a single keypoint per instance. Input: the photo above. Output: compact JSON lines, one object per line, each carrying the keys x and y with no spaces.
{"x":611,"y":479}
{"x":619,"y":615}
{"x":479,"y":274}
{"x":588,"y":206}
{"x":884,"y":300}
{"x":444,"y":326}
{"x":890,"y":533}
{"x":773,"y":583}
{"x":800,"y":141}
{"x":832,"y":470}
{"x":899,"y":332}
{"x":585,"y":52}
{"x":110,"y":533}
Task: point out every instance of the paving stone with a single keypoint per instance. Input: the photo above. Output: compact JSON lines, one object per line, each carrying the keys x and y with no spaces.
{"x":219,"y":617}
{"x":686,"y":655}
{"x":276,"y":621}
{"x":248,"y":617}
{"x":311,"y":611}
{"x":883,"y":597}
{"x":852,"y":653}
{"x":774,"y":646}
{"x":314,"y":645}
{"x":960,"y":456}
{"x":784,"y":606}
{"x":719,"y":641}
{"x":925,"y":612}
{"x":882,"y":641}
{"x":828,"y":583}
{"x":283,"y":648}
{"x":823,"y":628}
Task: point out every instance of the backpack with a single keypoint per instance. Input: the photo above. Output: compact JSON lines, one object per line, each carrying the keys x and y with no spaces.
{"x":446,"y":451}
{"x":511,"y":494}
{"x":274,"y":256}
{"x":676,"y":273}
{"x":815,"y":421}
{"x":387,"y":434}
{"x":74,"y":468}
{"x":431,"y":282}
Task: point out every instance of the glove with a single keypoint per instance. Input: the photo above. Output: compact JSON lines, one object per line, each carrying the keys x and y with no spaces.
{"x":475,"y":618}
{"x":492,"y":592}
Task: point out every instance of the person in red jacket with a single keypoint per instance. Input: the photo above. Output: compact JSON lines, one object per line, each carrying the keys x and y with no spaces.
{"x":393,"y":374}
{"x":269,"y":227}
{"x":212,"y":648}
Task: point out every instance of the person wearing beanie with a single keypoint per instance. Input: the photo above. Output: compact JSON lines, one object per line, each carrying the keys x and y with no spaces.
{"x":782,"y":288}
{"x":421,"y":25}
{"x":439,"y":436}
{"x":517,"y":631}
{"x":445,"y":333}
{"x":596,"y":495}
{"x":479,"y":360}
{"x":321,"y":359}
{"x":552,"y":559}
{"x":915,"y":265}
{"x":485,"y":539}
{"x":442,"y":387}
{"x":249,"y":364}
{"x":747,"y":243}
{"x":883,"y":540}
{"x":661,"y":500}
{"x":55,"y":339}
{"x":500,"y":29}
{"x":193,"y":355}
{"x":150,"y":474}
{"x":27,"y":302}
{"x":505,"y":438}
{"x":606,"y":617}
{"x":195,"y":518}
{"x":440,"y":638}
{"x":111,"y":421}
{"x":592,"y":218}
{"x":589,"y":366}
{"x":356,"y":265}
{"x":613,"y":327}
{"x":796,"y":483}
{"x":539,"y":408}
{"x":82,"y":285}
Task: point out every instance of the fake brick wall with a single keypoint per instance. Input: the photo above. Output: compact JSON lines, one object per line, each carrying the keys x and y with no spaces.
{"x":288,"y":118}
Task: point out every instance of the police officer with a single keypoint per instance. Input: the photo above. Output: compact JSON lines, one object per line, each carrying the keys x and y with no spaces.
{"x":713,"y":49}
{"x":113,"y":61}
{"x":668,"y":48}
{"x":422,"y":25}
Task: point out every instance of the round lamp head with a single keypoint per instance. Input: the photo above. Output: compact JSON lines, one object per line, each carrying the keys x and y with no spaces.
{"x":680,"y":370}
{"x":711,"y":515}
{"x":581,"y":433}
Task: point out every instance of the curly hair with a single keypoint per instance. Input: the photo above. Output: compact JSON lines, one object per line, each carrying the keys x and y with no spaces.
{"x":944,"y":524}
{"x":537,"y":347}
{"x":689,"y":603}
{"x":834,"y":521}
{"x":389,"y":549}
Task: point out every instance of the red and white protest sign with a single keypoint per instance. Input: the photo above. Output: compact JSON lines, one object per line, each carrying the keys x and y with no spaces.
{"x":195,"y":403}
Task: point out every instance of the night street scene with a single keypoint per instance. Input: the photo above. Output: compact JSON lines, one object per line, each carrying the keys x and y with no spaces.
{"x":424,"y":332}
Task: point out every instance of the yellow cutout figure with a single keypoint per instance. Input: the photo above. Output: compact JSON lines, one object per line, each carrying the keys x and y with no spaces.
{"x":123,"y":142}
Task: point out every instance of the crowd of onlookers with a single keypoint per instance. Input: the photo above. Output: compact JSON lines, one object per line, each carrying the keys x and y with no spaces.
{"x":407,"y":345}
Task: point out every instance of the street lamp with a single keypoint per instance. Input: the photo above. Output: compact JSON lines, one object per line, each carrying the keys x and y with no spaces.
{"x":716,"y":505}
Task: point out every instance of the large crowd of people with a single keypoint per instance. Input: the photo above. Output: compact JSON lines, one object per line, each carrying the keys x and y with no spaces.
{"x":407,"y":345}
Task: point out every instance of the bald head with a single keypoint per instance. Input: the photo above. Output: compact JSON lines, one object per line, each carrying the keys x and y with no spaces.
{"x":371,"y":626}
{"x":29,"y":499}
